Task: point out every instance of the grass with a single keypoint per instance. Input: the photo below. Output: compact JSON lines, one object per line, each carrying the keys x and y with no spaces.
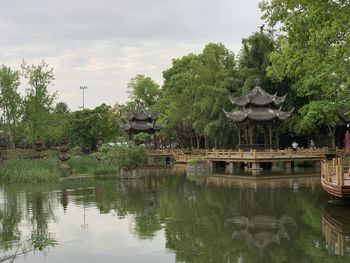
{"x":104,"y":170}
{"x":83,"y":164}
{"x":37,"y":170}
{"x":19,"y":168}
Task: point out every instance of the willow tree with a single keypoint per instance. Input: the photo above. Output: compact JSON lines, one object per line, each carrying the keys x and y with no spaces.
{"x":314,"y":49}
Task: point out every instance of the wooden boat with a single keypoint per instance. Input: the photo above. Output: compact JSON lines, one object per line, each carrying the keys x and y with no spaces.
{"x":333,"y":178}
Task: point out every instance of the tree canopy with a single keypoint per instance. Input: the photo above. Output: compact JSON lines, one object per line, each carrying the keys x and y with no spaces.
{"x":313,"y":49}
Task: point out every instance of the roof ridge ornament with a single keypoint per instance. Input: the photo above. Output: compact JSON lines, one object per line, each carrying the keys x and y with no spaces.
{"x":257,"y":82}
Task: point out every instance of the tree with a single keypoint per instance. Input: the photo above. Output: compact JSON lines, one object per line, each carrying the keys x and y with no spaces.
{"x":313,"y":49}
{"x":216,"y":78}
{"x":254,"y":59}
{"x":10,"y":100}
{"x":84,"y":126}
{"x":38,"y":101}
{"x":144,"y":89}
{"x":175,"y":104}
{"x":61,"y":107}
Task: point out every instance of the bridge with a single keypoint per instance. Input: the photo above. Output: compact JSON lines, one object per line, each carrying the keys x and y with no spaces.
{"x":250,"y":159}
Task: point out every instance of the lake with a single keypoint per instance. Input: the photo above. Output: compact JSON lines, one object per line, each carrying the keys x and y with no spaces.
{"x":171,"y":217}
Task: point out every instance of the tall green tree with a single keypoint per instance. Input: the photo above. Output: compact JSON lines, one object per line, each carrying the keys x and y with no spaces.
{"x":254,"y":59}
{"x":216,"y":78}
{"x":144,"y":89}
{"x":177,"y":100}
{"x":10,"y":100}
{"x":314,"y":49}
{"x":38,"y":102}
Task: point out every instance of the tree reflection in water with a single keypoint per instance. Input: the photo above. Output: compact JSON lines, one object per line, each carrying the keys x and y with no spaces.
{"x":203,"y":220}
{"x":34,"y":206}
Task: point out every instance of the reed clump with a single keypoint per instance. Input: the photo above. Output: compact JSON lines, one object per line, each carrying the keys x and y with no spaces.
{"x":26,"y":170}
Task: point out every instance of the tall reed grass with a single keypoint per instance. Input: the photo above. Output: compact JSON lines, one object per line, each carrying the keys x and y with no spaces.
{"x":83,"y":164}
{"x":37,"y":170}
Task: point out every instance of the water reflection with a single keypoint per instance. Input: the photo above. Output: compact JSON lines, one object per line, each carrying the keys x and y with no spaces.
{"x":170,"y":217}
{"x":336,"y":227}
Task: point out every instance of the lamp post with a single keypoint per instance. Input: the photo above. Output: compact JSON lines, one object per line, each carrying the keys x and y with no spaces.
{"x":83,"y":88}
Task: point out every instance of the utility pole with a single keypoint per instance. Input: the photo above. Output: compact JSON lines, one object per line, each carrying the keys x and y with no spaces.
{"x":83,"y":88}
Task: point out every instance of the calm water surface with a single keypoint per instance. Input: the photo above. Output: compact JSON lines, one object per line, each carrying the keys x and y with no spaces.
{"x":174,"y":218}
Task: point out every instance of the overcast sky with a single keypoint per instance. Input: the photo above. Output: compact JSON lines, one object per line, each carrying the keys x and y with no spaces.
{"x":102,"y":44}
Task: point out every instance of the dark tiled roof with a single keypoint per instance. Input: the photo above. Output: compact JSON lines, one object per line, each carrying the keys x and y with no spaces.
{"x":141,"y":126}
{"x":257,"y":97}
{"x":258,"y":114}
{"x":143,"y":114}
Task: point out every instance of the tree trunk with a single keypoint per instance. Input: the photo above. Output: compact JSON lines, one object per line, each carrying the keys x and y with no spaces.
{"x":331,"y":134}
{"x":197,"y":140}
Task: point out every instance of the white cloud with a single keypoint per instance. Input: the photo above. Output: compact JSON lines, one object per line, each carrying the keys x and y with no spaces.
{"x":104,"y":43}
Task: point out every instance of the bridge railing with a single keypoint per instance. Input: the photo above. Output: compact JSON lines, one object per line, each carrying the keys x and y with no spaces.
{"x":309,"y":152}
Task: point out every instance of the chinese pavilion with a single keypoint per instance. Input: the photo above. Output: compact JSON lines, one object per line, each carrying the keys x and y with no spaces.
{"x":142,"y":121}
{"x":258,"y":108}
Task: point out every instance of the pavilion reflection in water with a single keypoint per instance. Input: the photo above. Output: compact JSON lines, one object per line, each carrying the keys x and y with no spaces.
{"x":261,"y":230}
{"x":336,"y":229}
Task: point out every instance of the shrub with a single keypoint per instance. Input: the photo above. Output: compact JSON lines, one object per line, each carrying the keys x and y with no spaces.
{"x":82,"y":164}
{"x":123,"y":155}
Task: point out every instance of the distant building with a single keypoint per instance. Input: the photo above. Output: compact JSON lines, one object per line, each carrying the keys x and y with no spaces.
{"x":142,"y":120}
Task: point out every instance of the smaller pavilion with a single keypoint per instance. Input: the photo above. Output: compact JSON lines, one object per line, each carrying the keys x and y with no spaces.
{"x":142,"y":120}
{"x":258,"y":107}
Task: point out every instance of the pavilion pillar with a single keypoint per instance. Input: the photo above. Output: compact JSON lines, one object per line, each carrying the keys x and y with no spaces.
{"x":250,"y":132}
{"x":270,"y":135}
{"x":247,"y":141}
{"x":276,"y":136}
{"x":239,"y":136}
{"x":265,"y":136}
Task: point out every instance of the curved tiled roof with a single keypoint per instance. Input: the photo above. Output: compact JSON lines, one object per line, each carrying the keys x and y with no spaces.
{"x":257,"y":97}
{"x":258,"y":114}
{"x":143,"y":114}
{"x":141,"y":126}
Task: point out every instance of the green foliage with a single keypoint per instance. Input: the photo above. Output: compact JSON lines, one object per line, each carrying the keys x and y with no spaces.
{"x":316,"y":113}
{"x":105,"y":170}
{"x":141,"y":137}
{"x":38,"y":101}
{"x":141,"y":88}
{"x":28,"y":154}
{"x":10,"y":101}
{"x":195,"y":89}
{"x":254,"y":59}
{"x":82,"y":164}
{"x":124,"y":155}
{"x":36,"y":171}
{"x":313,"y":49}
{"x":197,"y":161}
{"x":61,"y":107}
{"x":84,"y":126}
{"x":76,"y":150}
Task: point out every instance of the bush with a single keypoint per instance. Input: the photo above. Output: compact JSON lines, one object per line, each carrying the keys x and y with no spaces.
{"x":76,"y":151}
{"x":123,"y":155}
{"x":82,"y":164}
